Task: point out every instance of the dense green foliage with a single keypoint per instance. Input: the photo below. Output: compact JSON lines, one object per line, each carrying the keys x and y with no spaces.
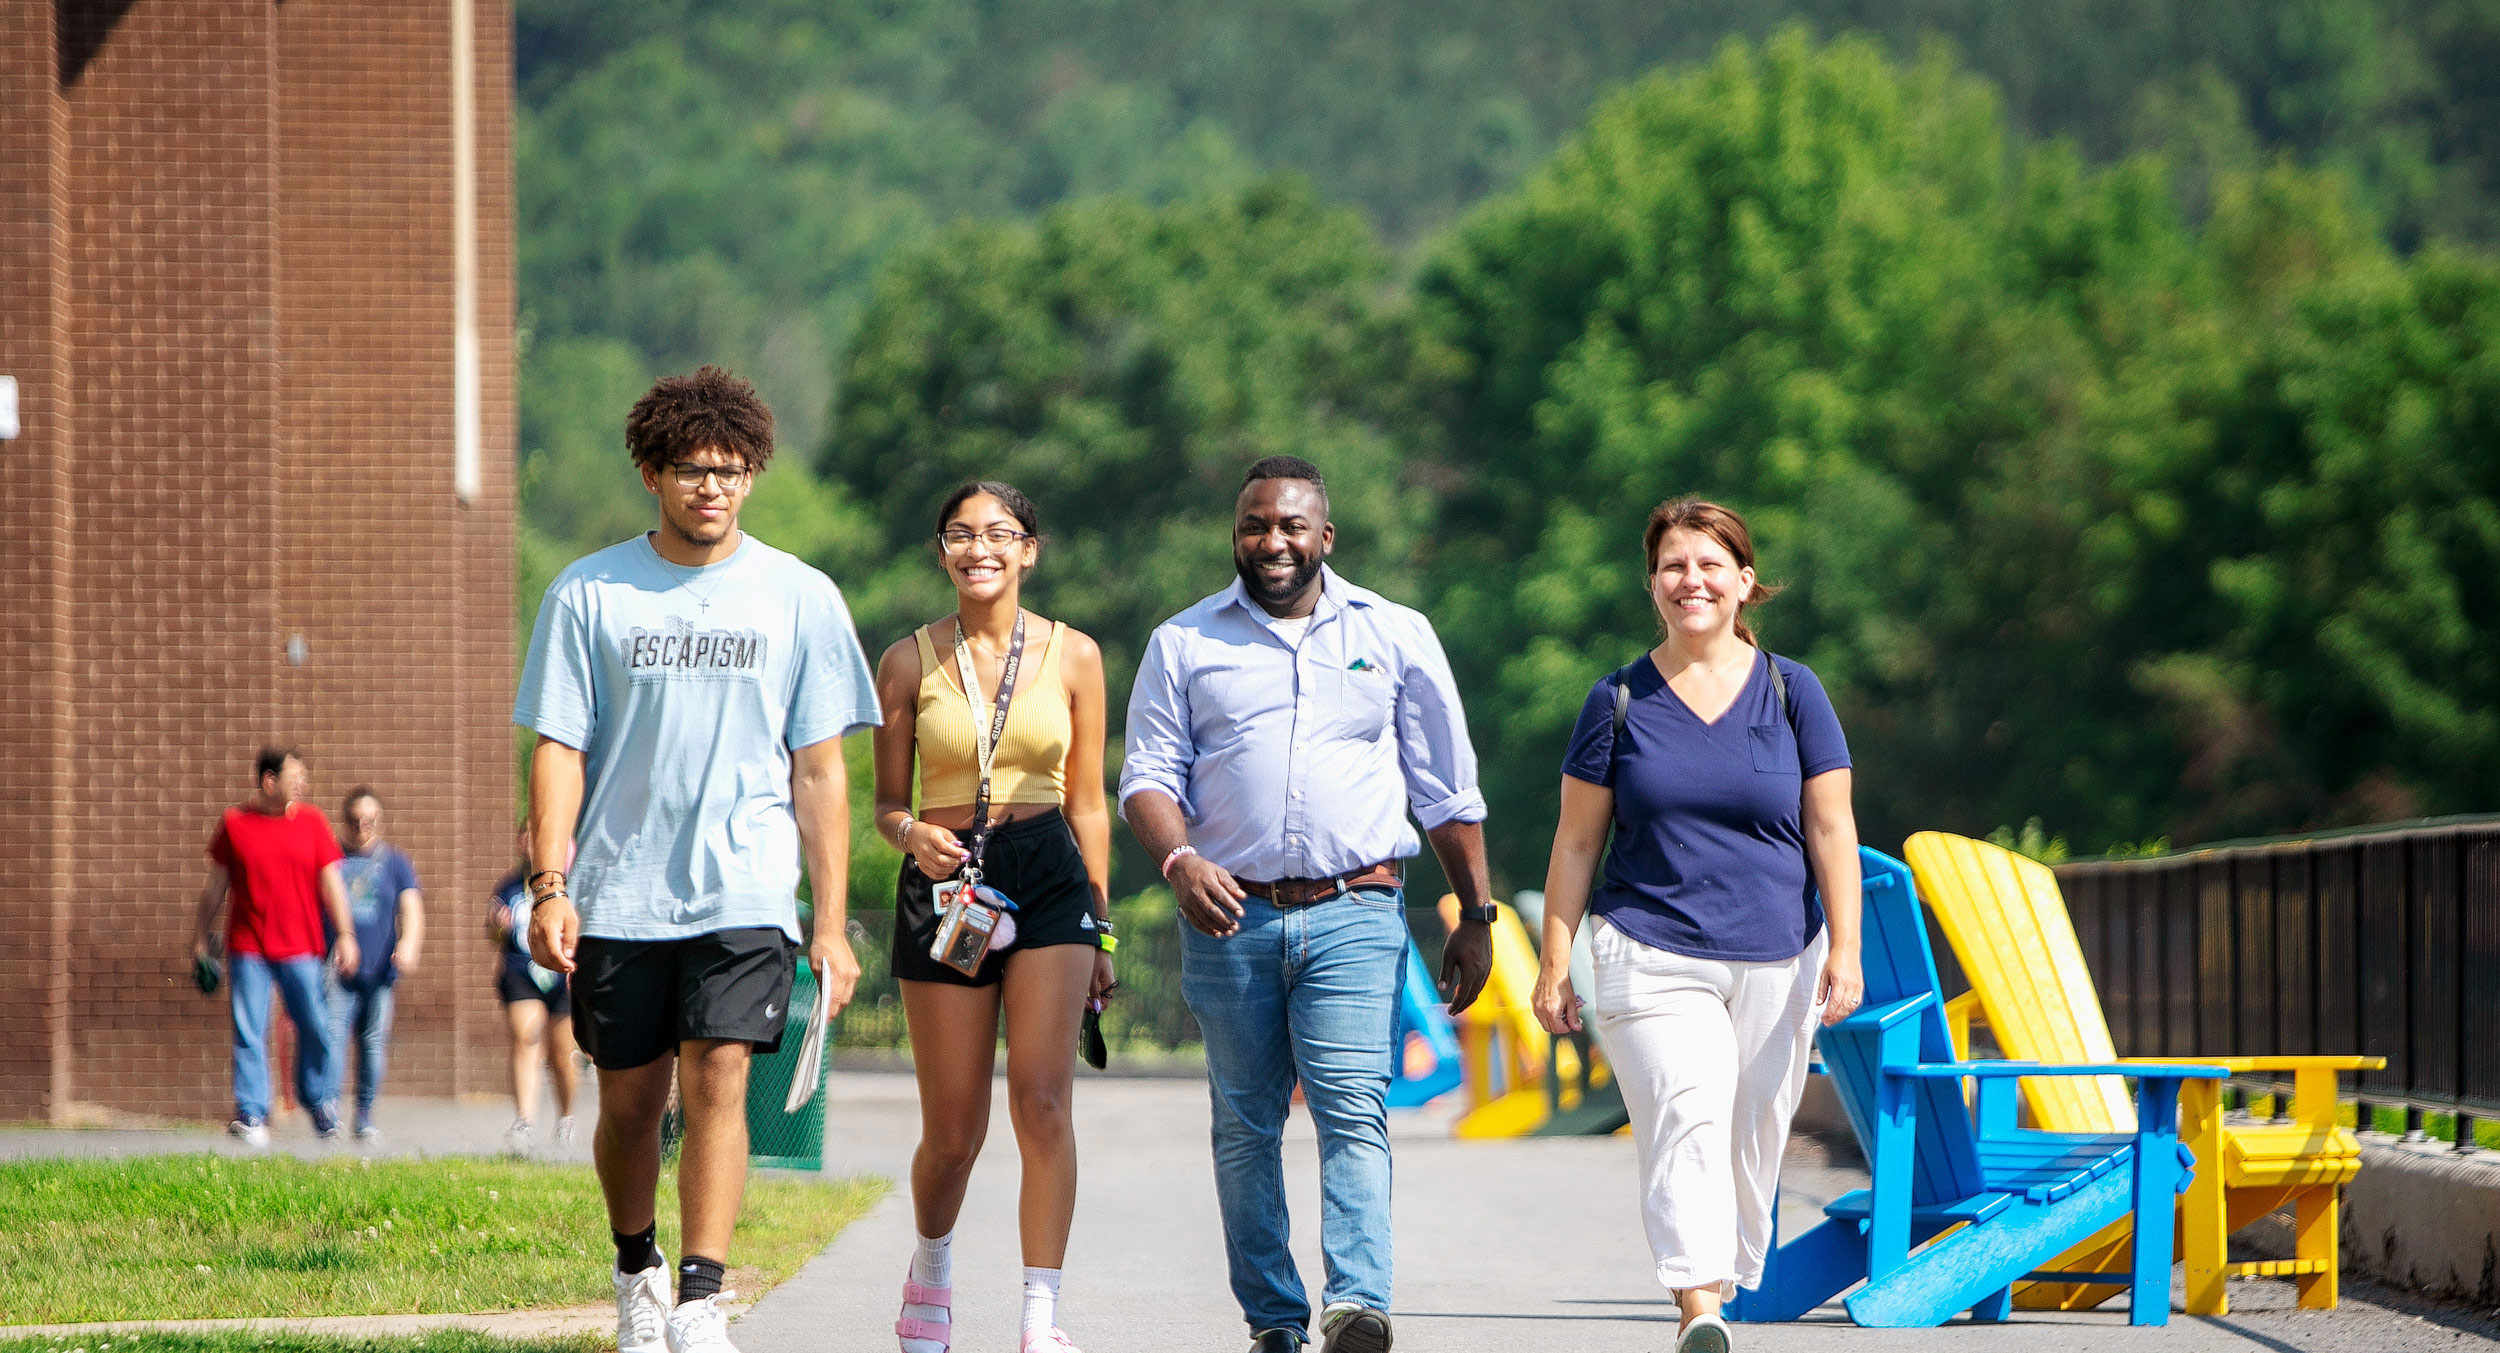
{"x":1123,"y":364}
{"x":2087,"y":513}
{"x":2139,"y":481}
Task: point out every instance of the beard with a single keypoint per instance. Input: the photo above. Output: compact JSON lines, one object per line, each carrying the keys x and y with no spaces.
{"x":1304,"y":570}
{"x":695,"y":531}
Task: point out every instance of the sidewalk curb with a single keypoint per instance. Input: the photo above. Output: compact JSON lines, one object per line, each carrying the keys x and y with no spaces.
{"x":2419,"y":1217}
{"x":547,"y":1324}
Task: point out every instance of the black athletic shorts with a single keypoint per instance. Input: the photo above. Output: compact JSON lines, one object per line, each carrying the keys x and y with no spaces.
{"x":636,"y":999}
{"x":514,"y":983}
{"x":1033,"y":861}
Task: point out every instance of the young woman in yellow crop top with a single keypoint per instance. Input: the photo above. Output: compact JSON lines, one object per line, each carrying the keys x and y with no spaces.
{"x":1048,"y":850}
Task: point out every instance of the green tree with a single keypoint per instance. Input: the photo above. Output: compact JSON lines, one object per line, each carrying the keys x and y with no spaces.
{"x":1123,"y":364}
{"x":1827,"y":291}
{"x":2355,"y":677}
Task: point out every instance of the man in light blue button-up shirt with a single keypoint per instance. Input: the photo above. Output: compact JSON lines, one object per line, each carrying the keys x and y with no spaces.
{"x":1278,"y":733}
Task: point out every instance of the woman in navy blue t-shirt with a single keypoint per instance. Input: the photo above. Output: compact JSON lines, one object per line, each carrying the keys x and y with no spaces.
{"x":1727,"y":918}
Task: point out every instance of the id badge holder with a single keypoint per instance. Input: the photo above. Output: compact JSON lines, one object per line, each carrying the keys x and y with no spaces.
{"x":965,"y":925}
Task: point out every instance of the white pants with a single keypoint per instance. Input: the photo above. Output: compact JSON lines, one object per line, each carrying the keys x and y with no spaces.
{"x":1711,"y":1057}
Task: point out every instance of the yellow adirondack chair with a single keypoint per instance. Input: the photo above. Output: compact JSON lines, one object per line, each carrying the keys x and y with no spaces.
{"x":2008,"y":925}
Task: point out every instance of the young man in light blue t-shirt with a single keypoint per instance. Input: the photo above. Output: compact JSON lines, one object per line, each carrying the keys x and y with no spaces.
{"x":690,"y":689}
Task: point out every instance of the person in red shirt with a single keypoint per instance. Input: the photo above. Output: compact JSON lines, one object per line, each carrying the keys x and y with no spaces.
{"x":276,"y":859}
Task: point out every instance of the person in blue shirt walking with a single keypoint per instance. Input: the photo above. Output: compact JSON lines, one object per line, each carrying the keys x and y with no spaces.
{"x":389,"y":915}
{"x":1728,"y":916}
{"x":690,"y":689}
{"x":1278,"y":733}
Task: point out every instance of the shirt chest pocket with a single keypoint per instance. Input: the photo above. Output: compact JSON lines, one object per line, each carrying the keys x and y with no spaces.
{"x":1774,"y":752}
{"x":1365,"y":700}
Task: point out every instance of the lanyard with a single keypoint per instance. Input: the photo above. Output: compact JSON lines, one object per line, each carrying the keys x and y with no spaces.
{"x":985,"y":749}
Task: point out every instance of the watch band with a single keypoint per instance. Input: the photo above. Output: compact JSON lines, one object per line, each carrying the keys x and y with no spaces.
{"x":1487,"y":913}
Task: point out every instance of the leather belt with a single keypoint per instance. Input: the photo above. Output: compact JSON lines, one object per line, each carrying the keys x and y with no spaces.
{"x":1306,"y":892}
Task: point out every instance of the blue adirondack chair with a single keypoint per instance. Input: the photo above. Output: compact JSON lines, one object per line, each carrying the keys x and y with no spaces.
{"x":1960,"y":1210}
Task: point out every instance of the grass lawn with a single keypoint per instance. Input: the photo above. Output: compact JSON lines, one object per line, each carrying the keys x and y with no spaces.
{"x":440,"y":1341}
{"x":201,"y":1237}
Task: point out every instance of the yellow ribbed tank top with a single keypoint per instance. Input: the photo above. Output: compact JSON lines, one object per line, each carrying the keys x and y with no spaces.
{"x":1032,"y":761}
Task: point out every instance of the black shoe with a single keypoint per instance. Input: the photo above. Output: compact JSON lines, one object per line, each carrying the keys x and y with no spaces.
{"x":1361,"y":1330}
{"x":1277,"y":1341}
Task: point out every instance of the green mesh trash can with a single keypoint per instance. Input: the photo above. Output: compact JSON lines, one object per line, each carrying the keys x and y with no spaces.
{"x":777,"y":1138}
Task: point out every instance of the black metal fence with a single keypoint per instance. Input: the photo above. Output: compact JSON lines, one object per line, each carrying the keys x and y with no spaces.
{"x":2381,"y":941}
{"x":1147,"y":1012}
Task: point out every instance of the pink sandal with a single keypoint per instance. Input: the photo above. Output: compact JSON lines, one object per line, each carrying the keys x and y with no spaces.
{"x":913,"y":1327}
{"x":1052,"y":1342}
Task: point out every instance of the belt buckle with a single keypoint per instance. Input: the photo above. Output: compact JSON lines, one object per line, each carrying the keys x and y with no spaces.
{"x":1312,"y":892}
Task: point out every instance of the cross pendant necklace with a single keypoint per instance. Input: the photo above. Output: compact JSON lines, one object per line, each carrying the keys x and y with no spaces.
{"x":702,"y":603}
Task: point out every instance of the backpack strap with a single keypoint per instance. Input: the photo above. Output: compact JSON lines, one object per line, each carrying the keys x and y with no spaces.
{"x":1623,"y":704}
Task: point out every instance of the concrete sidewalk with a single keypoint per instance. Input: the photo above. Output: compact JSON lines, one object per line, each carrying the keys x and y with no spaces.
{"x":1525,"y":1245}
{"x":410,"y":1127}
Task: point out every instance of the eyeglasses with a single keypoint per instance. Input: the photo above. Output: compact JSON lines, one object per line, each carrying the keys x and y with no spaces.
{"x":691,"y":476}
{"x":997,"y":538}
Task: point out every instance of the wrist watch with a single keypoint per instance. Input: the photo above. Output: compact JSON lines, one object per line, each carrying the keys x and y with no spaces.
{"x":1483,"y":912}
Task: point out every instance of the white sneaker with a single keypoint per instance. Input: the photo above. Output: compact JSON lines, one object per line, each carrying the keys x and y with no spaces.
{"x":516,"y":1138}
{"x":1703,"y":1334}
{"x":564,"y":1130}
{"x":642,"y":1310}
{"x":253,"y":1135}
{"x":700,"y":1326}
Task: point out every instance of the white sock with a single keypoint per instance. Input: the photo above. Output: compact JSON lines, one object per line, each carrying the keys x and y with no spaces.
{"x":933,"y":1261}
{"x":1041,"y":1300}
{"x":932,"y":1265}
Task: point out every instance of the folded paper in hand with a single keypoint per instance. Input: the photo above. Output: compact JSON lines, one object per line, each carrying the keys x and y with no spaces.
{"x":810,"y":1072}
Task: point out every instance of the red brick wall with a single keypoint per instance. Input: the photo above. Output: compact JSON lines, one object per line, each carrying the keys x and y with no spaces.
{"x":399,"y":675}
{"x":172,"y":335}
{"x":253,"y":379}
{"x":37,"y":764}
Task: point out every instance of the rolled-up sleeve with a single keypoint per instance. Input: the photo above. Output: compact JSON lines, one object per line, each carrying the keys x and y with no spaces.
{"x":1434,"y":752}
{"x":1158,"y":745}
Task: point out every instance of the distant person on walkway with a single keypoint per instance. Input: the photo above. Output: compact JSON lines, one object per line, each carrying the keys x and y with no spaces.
{"x":274,"y":859}
{"x":389,"y":912}
{"x":690,"y":689}
{"x":1278,"y":733}
{"x":537,"y":1007}
{"x":1003,"y":712}
{"x":1728,"y":916}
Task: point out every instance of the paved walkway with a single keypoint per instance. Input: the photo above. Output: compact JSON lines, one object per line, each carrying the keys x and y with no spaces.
{"x":1526,"y":1245}
{"x":410,"y":1127}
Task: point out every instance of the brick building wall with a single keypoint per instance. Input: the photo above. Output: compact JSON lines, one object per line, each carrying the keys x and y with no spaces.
{"x":241,"y":409}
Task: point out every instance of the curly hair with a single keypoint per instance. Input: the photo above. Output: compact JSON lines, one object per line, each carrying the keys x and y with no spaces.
{"x":685,"y":414}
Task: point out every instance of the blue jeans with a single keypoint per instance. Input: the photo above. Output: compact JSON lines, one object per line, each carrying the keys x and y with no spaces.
{"x":299,"y":982}
{"x":360,"y":1015}
{"x":1308,"y":993}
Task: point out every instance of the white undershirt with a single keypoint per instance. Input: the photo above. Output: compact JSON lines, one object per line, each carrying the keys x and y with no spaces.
{"x":1290,"y":630}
